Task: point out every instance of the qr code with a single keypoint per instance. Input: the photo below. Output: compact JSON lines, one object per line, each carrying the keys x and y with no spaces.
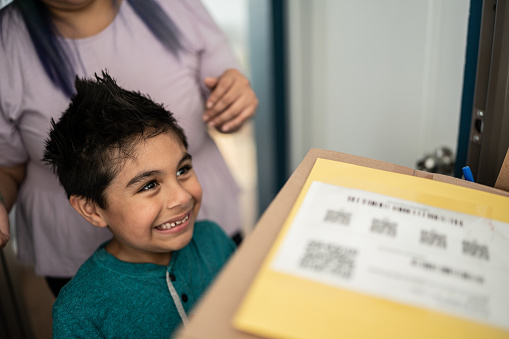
{"x":384,"y":227}
{"x":432,"y":238}
{"x":338,"y":217}
{"x":473,"y":249}
{"x":329,"y":258}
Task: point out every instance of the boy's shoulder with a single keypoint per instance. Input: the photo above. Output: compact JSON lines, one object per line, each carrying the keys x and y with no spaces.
{"x":79,"y":298}
{"x":207,"y":227}
{"x":208,"y":235}
{"x":91,"y":301}
{"x":89,"y":278}
{"x":210,"y":247}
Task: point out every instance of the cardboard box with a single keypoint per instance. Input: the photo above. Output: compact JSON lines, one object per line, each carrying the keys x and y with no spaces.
{"x":503,"y":177}
{"x":213,"y":316}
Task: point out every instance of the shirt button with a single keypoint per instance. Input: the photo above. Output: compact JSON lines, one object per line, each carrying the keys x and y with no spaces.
{"x":172,"y":277}
{"x":184,"y":297}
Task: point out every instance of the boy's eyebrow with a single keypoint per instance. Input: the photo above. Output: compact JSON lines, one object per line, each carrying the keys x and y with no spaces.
{"x":142,"y":176}
{"x":186,"y":156}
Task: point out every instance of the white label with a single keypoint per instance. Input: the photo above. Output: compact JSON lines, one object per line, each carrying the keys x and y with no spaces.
{"x":402,"y":251}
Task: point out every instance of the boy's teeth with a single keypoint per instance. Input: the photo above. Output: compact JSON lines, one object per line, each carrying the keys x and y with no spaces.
{"x":172,"y":224}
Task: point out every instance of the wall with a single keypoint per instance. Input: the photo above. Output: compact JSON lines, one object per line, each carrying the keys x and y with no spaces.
{"x":380,"y":79}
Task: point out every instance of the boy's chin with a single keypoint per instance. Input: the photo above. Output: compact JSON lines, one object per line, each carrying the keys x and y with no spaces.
{"x":183,"y":242}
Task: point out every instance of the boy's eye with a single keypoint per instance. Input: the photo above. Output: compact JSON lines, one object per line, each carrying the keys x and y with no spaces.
{"x":183,"y":170}
{"x":149,"y":186}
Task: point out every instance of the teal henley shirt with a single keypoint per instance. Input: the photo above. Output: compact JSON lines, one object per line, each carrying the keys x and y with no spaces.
{"x":109,"y":298}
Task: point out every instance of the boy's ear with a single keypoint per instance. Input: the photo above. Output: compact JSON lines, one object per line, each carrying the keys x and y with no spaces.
{"x":88,"y":210}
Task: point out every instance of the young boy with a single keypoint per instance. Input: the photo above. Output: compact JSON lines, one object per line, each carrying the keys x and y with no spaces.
{"x":123,"y":163}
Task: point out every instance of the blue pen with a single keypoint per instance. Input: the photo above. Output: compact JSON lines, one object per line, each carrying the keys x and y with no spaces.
{"x":467,"y":173}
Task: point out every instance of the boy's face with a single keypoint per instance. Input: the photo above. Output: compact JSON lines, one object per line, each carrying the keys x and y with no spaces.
{"x":153,"y":201}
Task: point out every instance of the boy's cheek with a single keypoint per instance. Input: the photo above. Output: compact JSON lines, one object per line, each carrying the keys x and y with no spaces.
{"x":196,"y":189}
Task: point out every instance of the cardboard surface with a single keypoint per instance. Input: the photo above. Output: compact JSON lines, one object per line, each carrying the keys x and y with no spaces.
{"x":213,"y":316}
{"x":503,"y":177}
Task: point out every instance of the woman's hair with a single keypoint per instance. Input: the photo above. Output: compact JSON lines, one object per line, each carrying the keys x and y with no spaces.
{"x":99,"y":131}
{"x":55,"y":58}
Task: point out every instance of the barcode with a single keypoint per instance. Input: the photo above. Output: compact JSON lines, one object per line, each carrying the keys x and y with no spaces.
{"x":473,"y":249}
{"x":384,"y":227}
{"x":338,"y":217}
{"x":406,"y":209}
{"x":329,"y":258}
{"x":446,"y":270}
{"x":368,"y":202}
{"x":432,"y":238}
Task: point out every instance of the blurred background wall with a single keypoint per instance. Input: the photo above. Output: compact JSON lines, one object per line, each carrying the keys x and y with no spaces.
{"x":380,"y":79}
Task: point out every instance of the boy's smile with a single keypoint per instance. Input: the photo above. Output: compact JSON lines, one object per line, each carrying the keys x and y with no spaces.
{"x":152,"y":202}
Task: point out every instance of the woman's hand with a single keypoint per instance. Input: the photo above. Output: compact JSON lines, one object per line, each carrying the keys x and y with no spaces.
{"x":231,"y":102}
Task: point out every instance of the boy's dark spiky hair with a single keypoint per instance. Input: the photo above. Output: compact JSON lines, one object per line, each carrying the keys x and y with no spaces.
{"x":98,"y":131}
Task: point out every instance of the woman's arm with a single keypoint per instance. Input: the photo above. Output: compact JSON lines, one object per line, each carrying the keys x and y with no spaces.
{"x":10,"y":180}
{"x":230,"y":100}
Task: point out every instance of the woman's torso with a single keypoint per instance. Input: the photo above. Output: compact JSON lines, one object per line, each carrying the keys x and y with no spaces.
{"x":50,"y":233}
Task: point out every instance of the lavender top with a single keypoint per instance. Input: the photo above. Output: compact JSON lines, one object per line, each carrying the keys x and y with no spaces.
{"x":50,"y":234}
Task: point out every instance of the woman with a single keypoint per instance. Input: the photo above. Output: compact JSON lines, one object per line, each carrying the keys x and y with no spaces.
{"x":170,"y":49}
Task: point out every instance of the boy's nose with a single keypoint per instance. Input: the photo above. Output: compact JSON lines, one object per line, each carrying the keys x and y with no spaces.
{"x":178,"y":197}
